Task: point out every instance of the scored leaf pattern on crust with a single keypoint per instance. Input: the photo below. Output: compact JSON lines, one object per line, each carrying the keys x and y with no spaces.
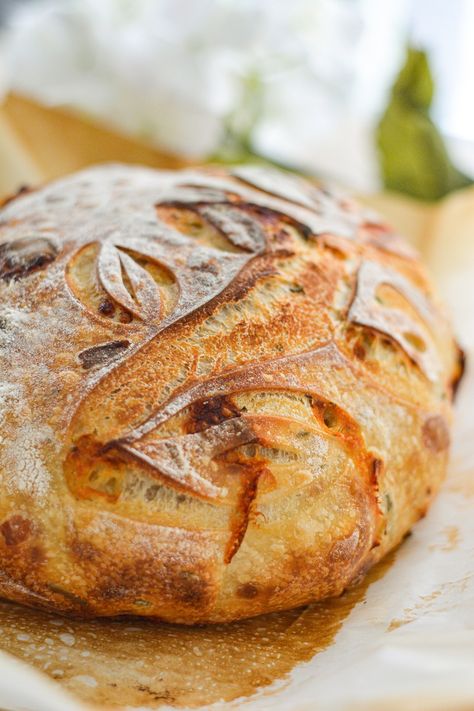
{"x":315,"y":209}
{"x":145,"y":303}
{"x":199,"y":271}
{"x":239,"y":228}
{"x":289,"y":373}
{"x":338,"y":215}
{"x":322,"y":218}
{"x":113,"y":217}
{"x":230,"y":205}
{"x":250,"y":211}
{"x":186,"y":461}
{"x":366,"y":310}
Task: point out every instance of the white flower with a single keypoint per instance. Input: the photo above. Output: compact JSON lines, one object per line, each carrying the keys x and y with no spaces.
{"x":183,"y":74}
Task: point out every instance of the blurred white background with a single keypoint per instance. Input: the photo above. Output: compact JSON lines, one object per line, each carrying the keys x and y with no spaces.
{"x":303,"y":83}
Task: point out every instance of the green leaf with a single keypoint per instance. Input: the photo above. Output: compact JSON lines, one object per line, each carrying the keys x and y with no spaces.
{"x":412,"y":154}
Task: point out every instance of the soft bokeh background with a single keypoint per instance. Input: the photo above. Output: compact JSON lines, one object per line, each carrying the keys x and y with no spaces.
{"x":303,"y":83}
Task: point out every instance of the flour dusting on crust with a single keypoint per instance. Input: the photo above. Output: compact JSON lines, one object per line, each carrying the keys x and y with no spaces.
{"x":221,"y":394}
{"x":24,"y":468}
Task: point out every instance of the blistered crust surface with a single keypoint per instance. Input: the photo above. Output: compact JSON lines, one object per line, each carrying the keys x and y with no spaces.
{"x":222,"y":393}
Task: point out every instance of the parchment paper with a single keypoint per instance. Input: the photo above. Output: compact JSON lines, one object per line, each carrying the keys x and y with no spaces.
{"x":403,"y":640}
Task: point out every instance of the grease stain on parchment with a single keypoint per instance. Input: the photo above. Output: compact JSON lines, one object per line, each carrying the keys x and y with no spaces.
{"x":450,"y":540}
{"x":144,"y":663}
{"x":426,"y":603}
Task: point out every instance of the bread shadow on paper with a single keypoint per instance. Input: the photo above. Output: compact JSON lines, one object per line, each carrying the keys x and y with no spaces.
{"x":130,"y":662}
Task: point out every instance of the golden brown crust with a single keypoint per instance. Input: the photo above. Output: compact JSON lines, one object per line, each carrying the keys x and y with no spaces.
{"x":222,"y":393}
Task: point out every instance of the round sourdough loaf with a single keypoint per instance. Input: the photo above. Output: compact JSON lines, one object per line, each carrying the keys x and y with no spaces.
{"x":221,"y":393}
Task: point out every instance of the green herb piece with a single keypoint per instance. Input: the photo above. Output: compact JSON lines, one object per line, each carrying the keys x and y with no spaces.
{"x":412,"y":154}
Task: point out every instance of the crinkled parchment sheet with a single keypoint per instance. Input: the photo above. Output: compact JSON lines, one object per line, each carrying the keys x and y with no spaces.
{"x":403,"y":640}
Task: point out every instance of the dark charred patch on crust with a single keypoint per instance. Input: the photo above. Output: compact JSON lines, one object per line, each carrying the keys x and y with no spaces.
{"x":69,"y":596}
{"x":207,"y":413}
{"x":247,"y":591}
{"x":435,"y":434}
{"x":456,"y":381}
{"x":24,"y":256}
{"x":16,"y":530}
{"x":106,"y":307}
{"x":99,"y":355}
{"x":190,"y":588}
{"x":84,"y":551}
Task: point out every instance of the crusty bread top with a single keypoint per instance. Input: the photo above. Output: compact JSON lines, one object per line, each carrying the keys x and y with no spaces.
{"x":137,"y":305}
